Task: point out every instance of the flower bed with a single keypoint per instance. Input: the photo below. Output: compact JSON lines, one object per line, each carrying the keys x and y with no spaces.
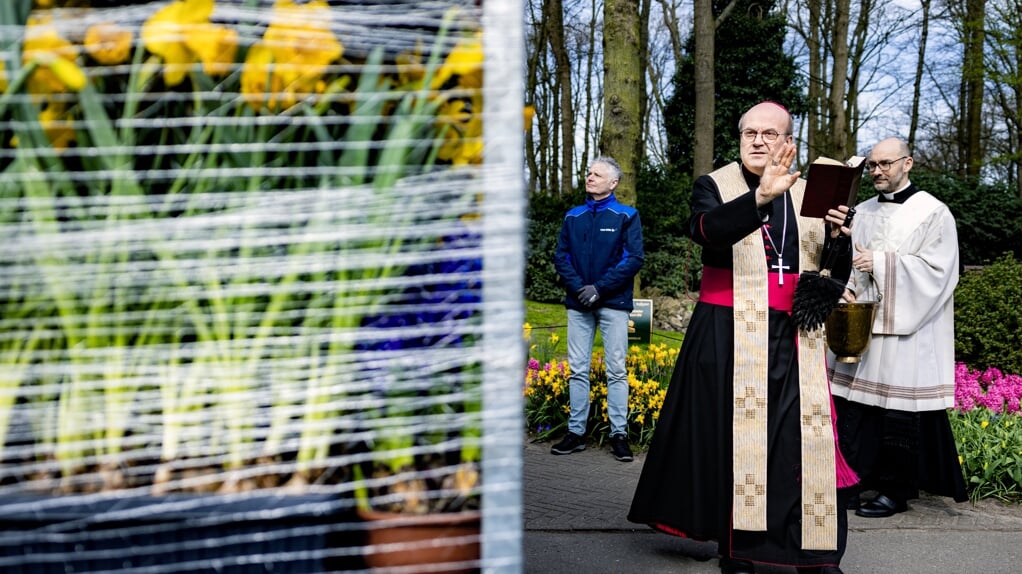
{"x":986,"y":418}
{"x":988,"y":429}
{"x":990,"y":389}
{"x":547,"y":402}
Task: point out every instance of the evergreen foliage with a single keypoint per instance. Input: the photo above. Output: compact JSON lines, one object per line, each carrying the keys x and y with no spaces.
{"x":750,"y":66}
{"x":987,"y":216}
{"x":672,"y":259}
{"x":988,"y":316}
{"x":546,"y":212}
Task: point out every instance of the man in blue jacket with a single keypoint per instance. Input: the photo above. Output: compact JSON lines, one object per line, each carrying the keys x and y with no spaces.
{"x":599,"y":251}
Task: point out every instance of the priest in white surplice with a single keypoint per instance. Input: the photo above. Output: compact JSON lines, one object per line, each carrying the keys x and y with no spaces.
{"x":892,"y":405}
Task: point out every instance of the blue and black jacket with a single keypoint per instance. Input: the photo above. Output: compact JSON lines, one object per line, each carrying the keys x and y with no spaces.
{"x":600,"y":244}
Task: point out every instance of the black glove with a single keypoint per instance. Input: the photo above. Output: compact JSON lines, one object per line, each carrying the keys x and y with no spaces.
{"x":588,"y":295}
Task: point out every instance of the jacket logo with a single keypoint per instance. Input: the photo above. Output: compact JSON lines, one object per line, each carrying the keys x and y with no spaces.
{"x":610,"y":229}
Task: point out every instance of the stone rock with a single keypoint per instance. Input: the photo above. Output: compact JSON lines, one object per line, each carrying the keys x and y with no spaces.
{"x":672,"y":314}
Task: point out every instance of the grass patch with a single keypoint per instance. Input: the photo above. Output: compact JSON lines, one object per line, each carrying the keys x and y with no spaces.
{"x":552,"y":318}
{"x":546,"y":318}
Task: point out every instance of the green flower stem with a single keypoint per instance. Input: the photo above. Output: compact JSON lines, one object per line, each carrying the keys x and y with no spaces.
{"x":14,"y":12}
{"x":316,"y":436}
{"x":16,"y":355}
{"x":213,"y":380}
{"x":72,"y":413}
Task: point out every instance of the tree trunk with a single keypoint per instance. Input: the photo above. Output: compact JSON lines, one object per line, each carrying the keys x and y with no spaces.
{"x":817,"y":61}
{"x":973,"y":77}
{"x":669,"y":13}
{"x":857,"y":52}
{"x":588,"y":126}
{"x":920,"y":66}
{"x":554,"y":15}
{"x":643,"y":67}
{"x":838,"y":141}
{"x":834,"y":64}
{"x":621,"y":137}
{"x":703,"y":31}
{"x":1016,"y":140}
{"x":533,"y":149}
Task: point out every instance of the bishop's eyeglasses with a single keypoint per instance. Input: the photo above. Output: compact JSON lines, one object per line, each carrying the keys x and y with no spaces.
{"x":769,"y":136}
{"x":884,"y":164}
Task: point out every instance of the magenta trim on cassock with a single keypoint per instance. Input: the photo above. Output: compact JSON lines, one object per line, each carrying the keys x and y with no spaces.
{"x":717,"y":288}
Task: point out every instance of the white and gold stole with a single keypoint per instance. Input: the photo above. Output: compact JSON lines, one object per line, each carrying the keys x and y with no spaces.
{"x":751,"y":342}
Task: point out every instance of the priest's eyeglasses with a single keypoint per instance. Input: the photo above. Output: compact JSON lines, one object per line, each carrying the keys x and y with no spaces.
{"x":769,"y":136}
{"x":884,"y":164}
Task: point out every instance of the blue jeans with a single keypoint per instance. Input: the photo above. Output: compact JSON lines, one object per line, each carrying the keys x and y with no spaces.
{"x":613,"y":325}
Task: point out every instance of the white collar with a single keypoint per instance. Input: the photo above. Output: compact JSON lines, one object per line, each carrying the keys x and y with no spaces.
{"x":890,"y":196}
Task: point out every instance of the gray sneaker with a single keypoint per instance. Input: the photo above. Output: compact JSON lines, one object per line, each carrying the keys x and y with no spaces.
{"x":569,"y":444}
{"x":619,"y":446}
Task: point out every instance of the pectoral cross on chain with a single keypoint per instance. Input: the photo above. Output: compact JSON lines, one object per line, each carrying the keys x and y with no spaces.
{"x":780,"y":267}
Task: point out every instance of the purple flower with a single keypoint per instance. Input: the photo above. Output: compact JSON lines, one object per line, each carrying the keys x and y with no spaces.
{"x":967,"y":388}
{"x":991,"y":389}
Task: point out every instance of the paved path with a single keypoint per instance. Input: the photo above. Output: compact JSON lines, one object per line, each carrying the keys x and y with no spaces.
{"x":575,"y":507}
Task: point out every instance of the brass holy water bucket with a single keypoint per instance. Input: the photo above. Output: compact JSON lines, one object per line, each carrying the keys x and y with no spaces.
{"x":849,"y":328}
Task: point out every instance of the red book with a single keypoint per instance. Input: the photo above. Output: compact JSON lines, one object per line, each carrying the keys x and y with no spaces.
{"x":830,"y":183}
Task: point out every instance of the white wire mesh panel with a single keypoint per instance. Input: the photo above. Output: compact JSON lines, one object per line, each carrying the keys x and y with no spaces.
{"x":260,"y":284}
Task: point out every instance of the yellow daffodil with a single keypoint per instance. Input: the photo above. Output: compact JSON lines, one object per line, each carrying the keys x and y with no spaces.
{"x":164,"y":35}
{"x":984,"y":424}
{"x":180,"y":34}
{"x":215,"y":46}
{"x":257,"y":79}
{"x":289,"y":62}
{"x":410,"y":69}
{"x":108,"y":43}
{"x":300,"y":37}
{"x":528,"y":113}
{"x":57,"y":70}
{"x":547,"y":395}
{"x":466,"y":62}
{"x":55,"y":123}
{"x":462,"y":129}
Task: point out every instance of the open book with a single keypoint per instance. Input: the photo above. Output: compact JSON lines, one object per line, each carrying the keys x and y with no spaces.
{"x":830,"y":183}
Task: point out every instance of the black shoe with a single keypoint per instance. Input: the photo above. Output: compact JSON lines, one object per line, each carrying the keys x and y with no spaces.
{"x":733,"y":566}
{"x":881,"y":507}
{"x":569,"y":444}
{"x":854,"y":502}
{"x":619,"y":446}
{"x":820,"y":570}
